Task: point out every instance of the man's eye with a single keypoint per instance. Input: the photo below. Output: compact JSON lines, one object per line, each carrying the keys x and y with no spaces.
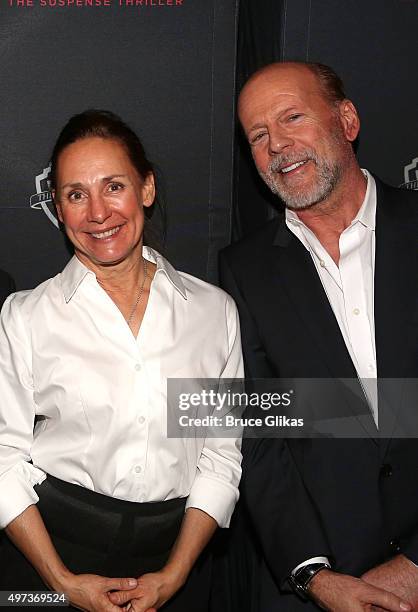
{"x":294,"y":117}
{"x":115,"y":186}
{"x":257,"y":137}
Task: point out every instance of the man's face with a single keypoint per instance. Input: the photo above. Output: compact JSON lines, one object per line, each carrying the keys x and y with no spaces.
{"x":300,"y":142}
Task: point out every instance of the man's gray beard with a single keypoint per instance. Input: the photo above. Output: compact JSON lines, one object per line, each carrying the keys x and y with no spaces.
{"x":328,"y":176}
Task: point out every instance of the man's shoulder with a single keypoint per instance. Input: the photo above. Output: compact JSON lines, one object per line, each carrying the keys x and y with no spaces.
{"x":258,"y":240}
{"x":402,"y":200}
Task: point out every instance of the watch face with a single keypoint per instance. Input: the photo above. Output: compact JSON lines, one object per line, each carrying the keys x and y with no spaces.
{"x":300,"y":581}
{"x":297,"y":587}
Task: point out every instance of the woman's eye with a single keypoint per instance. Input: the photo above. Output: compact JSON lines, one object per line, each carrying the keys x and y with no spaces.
{"x":75,"y":196}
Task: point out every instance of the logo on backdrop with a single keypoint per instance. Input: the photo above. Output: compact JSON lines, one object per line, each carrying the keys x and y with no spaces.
{"x":42,"y":199}
{"x":410,"y":172}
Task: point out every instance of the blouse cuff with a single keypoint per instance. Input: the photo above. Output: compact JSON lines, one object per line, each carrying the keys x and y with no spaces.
{"x":17,"y":492}
{"x":214,"y":497}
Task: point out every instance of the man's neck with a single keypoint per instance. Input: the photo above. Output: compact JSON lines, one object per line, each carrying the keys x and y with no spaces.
{"x":328,"y":219}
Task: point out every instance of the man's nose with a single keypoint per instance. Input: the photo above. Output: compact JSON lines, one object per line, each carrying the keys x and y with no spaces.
{"x":279,"y":141}
{"x":99,"y":209}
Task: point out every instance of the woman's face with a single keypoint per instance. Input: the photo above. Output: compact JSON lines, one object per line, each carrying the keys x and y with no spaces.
{"x":100,"y":197}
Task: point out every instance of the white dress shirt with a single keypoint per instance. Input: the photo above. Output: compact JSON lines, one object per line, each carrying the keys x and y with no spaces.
{"x":350,"y":290}
{"x":68,"y":357}
{"x":350,"y":285}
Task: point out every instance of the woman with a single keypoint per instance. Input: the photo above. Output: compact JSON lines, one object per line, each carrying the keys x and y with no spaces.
{"x":104,"y":506}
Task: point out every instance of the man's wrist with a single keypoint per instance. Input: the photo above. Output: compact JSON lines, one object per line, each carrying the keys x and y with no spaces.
{"x":317,"y":559}
{"x":317,"y":579}
{"x":301,"y":579}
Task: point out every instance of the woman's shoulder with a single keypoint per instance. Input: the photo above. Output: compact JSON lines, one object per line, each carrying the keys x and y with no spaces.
{"x":188,"y":285}
{"x":50,"y":291}
{"x":25,"y":301}
{"x":201,"y":288}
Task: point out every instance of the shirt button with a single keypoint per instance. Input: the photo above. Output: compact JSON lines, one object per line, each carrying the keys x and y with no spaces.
{"x":137,"y":367}
{"x":395,"y":546}
{"x":386,"y":470}
{"x":356,"y":311}
{"x":141,"y":420}
{"x":137,"y":469}
{"x":322,"y":263}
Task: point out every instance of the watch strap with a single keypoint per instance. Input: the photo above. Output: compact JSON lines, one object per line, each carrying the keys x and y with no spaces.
{"x":300,"y":580}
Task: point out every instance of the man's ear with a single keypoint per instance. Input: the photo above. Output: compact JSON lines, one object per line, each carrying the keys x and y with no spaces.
{"x":349,"y":119}
{"x":57,"y":206}
{"x":148,"y":190}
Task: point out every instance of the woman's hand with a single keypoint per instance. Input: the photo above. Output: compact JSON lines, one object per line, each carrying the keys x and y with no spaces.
{"x":85,"y":591}
{"x":152,"y":591}
{"x":156,"y":588}
{"x":91,"y":593}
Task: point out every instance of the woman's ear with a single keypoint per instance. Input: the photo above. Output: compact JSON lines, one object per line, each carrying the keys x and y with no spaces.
{"x":57,"y":206}
{"x":148,"y":190}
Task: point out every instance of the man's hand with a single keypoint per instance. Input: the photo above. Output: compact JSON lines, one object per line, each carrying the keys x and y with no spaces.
{"x":341,"y":593}
{"x":399,"y":576}
{"x":89,"y":592}
{"x":152,"y":591}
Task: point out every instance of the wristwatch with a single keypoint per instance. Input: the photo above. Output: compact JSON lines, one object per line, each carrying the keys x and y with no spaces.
{"x":300,"y":580}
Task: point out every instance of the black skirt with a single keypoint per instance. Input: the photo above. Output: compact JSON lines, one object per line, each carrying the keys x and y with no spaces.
{"x":97,"y":534}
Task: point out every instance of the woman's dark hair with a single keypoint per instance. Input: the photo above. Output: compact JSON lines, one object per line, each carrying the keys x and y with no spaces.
{"x":105,"y":124}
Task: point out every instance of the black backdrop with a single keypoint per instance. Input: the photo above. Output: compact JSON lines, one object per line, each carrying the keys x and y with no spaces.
{"x":169,"y":70}
{"x":372,"y":44}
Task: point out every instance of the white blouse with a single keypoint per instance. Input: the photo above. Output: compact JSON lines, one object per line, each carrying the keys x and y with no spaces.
{"x":68,"y":357}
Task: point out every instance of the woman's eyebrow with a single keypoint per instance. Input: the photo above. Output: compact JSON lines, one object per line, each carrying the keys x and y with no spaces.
{"x":105,"y":179}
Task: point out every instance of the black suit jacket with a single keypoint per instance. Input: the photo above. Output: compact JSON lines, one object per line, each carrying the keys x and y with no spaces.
{"x":353,"y":500}
{"x":7,"y":286}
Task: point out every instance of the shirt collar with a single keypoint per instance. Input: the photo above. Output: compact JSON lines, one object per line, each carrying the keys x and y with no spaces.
{"x":75,"y":272}
{"x":165,"y":266}
{"x":366,"y":214}
{"x":72,"y":276}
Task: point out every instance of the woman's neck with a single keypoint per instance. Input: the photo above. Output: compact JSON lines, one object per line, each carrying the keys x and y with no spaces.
{"x":122,"y":278}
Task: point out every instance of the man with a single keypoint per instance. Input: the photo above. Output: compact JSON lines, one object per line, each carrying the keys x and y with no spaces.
{"x":7,"y":286}
{"x":328,"y":290}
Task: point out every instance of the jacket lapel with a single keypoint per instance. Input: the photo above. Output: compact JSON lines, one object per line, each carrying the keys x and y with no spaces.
{"x":305,"y":291}
{"x":395,"y":296}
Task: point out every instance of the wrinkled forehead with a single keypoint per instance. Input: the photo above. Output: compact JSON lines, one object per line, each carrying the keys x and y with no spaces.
{"x":279,"y":83}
